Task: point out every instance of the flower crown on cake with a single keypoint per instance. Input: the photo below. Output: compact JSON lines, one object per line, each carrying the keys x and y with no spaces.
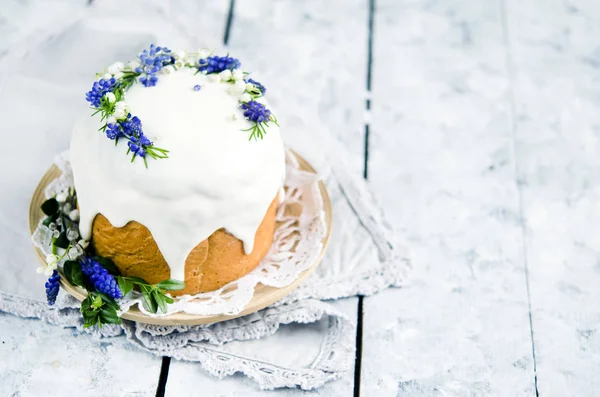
{"x":107,"y":95}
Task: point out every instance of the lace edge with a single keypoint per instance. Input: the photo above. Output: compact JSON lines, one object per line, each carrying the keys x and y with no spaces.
{"x":325,"y":368}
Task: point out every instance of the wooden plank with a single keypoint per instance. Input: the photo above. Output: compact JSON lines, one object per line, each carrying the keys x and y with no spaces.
{"x":441,"y":161}
{"x":42,"y":359}
{"x":556,"y":66}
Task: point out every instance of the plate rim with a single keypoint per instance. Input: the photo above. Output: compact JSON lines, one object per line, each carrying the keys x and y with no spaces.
{"x":266,"y":295}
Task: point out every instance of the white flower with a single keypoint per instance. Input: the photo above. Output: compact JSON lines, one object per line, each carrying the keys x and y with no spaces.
{"x":72,"y":254}
{"x":83,"y":243}
{"x":110,"y":97}
{"x":47,"y":269}
{"x":245,"y":97}
{"x":238,"y":75}
{"x":119,"y":114}
{"x":66,"y":208}
{"x":121,"y":110}
{"x":249,"y":86}
{"x":168,"y":69}
{"x":74,"y":215}
{"x":204,"y":53}
{"x":78,"y":249}
{"x":215,"y":78}
{"x":179,"y":54}
{"x":179,"y":64}
{"x":51,"y":259}
{"x":72,"y":234}
{"x":107,"y":76}
{"x":118,"y":75}
{"x":225,"y":75}
{"x":61,"y":198}
{"x":115,"y":67}
{"x":239,"y":86}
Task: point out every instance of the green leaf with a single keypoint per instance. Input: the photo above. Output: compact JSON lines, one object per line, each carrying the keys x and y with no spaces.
{"x":50,"y":206}
{"x":86,"y":303}
{"x":97,"y":302}
{"x":67,"y":270}
{"x":90,"y":321}
{"x":73,"y":273}
{"x":125,"y":285}
{"x":160,"y":300}
{"x":168,"y":299}
{"x":47,"y":221}
{"x":90,"y":316}
{"x":149,"y":302}
{"x":77,"y":275}
{"x":110,"y":302}
{"x":136,"y":280}
{"x":108,"y":264}
{"x":109,"y":316}
{"x":62,"y":241}
{"x":171,"y":285}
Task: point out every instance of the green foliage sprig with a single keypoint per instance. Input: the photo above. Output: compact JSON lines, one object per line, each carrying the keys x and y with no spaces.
{"x":99,"y":308}
{"x":153,"y":296}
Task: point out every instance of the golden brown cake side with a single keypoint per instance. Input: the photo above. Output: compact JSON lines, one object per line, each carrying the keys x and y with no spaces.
{"x":213,"y":263}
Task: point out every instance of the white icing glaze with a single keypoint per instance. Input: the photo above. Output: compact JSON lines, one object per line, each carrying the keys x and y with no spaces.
{"x":214,"y":177}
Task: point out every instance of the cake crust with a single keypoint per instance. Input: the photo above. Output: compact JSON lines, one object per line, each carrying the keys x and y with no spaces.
{"x":213,"y":263}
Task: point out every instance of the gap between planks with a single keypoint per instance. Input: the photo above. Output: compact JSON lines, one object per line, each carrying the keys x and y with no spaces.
{"x":510,"y":69}
{"x":360,"y":315}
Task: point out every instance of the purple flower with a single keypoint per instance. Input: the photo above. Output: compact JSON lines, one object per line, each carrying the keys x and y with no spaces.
{"x":132,"y":126}
{"x":113,"y":130}
{"x":256,"y":112}
{"x":218,"y":64}
{"x":153,"y":60}
{"x":52,"y":288}
{"x":138,"y":144}
{"x":99,"y":88}
{"x":102,"y":280}
{"x":149,"y":80}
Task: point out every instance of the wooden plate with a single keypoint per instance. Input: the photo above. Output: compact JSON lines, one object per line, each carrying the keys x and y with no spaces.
{"x":263,"y":295}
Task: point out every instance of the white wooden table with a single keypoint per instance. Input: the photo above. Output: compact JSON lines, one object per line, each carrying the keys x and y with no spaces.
{"x":478,"y":125}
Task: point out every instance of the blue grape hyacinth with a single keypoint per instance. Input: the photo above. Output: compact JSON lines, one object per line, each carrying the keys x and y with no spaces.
{"x":102,"y":280}
{"x":99,"y":89}
{"x":52,"y":288}
{"x":153,"y":60}
{"x":113,"y":131}
{"x":217,"y":64}
{"x":138,"y":144}
{"x":256,"y":112}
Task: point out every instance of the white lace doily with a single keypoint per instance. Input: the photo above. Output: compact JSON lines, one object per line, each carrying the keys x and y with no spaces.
{"x":297,"y":244}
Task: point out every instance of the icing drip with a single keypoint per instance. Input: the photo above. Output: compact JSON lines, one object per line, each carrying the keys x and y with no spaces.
{"x":214,"y":177}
